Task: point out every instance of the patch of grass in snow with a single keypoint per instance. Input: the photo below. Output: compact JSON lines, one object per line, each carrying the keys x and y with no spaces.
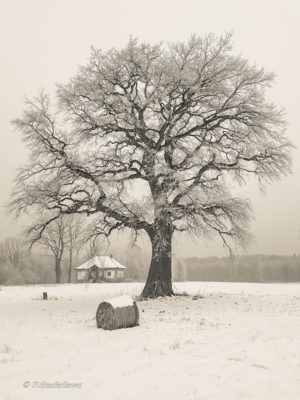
{"x":176,"y":345}
{"x":40,"y":297}
{"x":185,"y":318}
{"x":184,"y":293}
{"x":254,"y":336}
{"x":205,"y":322}
{"x":177,"y":292}
{"x":3,"y":360}
{"x":5,"y":348}
{"x":190,"y":341}
{"x":246,"y":396}
{"x":198,"y":295}
{"x":201,"y":321}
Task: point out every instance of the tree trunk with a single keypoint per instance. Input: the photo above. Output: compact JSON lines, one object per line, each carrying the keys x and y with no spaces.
{"x":70,"y":267}
{"x":58,"y":257}
{"x":57,"y":270}
{"x":159,"y":281}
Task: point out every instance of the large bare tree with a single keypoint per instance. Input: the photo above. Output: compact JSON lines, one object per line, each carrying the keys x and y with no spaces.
{"x":177,"y":122}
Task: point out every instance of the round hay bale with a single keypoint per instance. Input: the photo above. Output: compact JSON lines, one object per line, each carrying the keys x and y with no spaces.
{"x":118,"y":312}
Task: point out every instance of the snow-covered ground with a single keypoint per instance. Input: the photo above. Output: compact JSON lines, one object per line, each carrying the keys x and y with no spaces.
{"x":241,"y":341}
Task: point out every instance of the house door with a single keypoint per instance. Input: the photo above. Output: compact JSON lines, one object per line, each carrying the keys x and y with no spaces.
{"x":94,"y":276}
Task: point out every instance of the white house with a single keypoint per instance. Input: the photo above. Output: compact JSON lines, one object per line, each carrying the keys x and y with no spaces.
{"x":100,"y":268}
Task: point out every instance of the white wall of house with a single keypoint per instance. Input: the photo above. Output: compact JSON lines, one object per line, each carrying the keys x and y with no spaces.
{"x":81,"y":275}
{"x":108,"y":274}
{"x":120,"y":274}
{"x":111,"y":274}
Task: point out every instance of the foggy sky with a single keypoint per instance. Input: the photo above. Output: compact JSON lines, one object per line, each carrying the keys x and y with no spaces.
{"x":43,"y":41}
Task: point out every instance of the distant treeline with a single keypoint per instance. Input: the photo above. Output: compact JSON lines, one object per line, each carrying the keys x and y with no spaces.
{"x":18,"y":267}
{"x":251,"y":268}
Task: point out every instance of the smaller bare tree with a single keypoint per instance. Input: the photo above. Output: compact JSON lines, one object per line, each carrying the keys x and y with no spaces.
{"x":74,"y":235}
{"x":13,"y":250}
{"x":53,"y":238}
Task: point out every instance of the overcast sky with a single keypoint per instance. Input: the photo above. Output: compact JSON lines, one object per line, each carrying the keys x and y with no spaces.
{"x":43,"y":41}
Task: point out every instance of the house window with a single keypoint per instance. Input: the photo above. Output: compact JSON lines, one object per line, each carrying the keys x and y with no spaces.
{"x":110,"y":274}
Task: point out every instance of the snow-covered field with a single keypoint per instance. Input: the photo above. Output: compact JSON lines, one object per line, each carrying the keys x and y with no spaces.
{"x":241,"y":341}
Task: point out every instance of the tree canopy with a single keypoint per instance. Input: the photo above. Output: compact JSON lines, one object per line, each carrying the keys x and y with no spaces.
{"x":179,"y":120}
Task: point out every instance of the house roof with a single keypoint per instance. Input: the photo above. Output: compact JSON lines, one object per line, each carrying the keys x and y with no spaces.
{"x":103,"y":262}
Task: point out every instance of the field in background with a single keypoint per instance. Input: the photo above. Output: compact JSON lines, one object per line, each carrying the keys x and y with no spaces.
{"x":237,"y":340}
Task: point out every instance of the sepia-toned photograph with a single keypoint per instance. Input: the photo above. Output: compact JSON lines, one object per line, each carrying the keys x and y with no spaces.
{"x":149,"y":200}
